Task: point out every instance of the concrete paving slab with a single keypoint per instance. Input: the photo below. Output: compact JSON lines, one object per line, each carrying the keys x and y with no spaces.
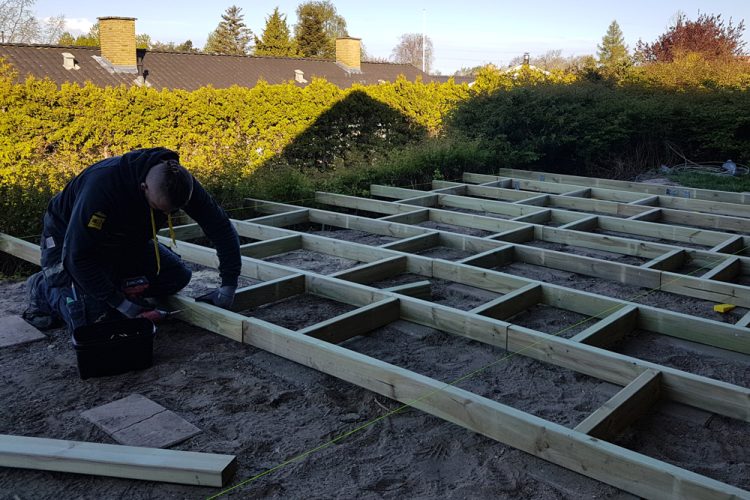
{"x":138,"y":421}
{"x":14,"y":330}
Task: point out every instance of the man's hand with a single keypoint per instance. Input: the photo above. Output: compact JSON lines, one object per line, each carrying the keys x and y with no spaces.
{"x":130,"y":309}
{"x":222,"y":297}
{"x":133,"y":310}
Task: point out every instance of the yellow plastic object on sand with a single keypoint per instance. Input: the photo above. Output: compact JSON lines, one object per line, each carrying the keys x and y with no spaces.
{"x":723,"y":308}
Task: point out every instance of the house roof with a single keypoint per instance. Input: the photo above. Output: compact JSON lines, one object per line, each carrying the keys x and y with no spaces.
{"x":191,"y":71}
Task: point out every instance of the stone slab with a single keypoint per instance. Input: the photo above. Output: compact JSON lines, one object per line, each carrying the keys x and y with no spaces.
{"x":14,"y":330}
{"x":138,"y":421}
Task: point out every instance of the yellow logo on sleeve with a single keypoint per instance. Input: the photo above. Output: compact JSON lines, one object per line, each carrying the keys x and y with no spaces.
{"x":97,"y":220}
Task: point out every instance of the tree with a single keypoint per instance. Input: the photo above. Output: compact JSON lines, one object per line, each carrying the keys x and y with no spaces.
{"x":231,"y":36}
{"x":186,"y":46}
{"x":410,"y":51}
{"x":333,"y":27}
{"x":51,"y":29}
{"x":17,"y":21}
{"x":614,"y":59}
{"x":309,"y":35}
{"x":708,"y":36}
{"x":276,"y":40}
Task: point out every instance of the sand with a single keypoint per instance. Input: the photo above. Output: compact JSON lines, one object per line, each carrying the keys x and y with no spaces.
{"x":265,"y":409}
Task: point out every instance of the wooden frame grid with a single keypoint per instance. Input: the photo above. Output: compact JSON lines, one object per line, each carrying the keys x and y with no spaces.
{"x":585,"y":448}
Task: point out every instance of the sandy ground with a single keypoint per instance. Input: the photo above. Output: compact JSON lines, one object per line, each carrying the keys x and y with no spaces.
{"x":266,"y":409}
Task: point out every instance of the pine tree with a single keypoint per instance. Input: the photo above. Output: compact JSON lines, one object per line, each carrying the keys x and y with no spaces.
{"x":332,"y":26}
{"x":231,"y":36}
{"x":614,"y":58}
{"x":275,"y":40}
{"x":309,"y":35}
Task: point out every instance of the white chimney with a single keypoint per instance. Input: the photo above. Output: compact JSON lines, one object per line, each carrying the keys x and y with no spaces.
{"x":299,"y":76}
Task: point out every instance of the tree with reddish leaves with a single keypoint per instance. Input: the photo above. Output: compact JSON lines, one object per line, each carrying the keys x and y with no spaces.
{"x":708,"y":36}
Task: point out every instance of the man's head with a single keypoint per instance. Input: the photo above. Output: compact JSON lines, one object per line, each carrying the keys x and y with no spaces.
{"x":168,"y":186}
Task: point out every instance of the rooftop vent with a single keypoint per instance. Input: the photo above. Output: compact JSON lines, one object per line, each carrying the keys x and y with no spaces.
{"x":299,"y":76}
{"x":69,"y":61}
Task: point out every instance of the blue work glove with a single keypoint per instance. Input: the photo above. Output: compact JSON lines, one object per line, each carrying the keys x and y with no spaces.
{"x":222,"y":297}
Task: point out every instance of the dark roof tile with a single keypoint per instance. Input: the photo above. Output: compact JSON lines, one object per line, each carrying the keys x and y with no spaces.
{"x":192,"y":71}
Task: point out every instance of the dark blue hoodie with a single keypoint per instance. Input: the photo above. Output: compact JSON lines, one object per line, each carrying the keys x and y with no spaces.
{"x":102,"y":215}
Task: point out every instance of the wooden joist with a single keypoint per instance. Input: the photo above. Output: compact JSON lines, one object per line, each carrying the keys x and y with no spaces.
{"x":624,"y":407}
{"x":148,"y":464}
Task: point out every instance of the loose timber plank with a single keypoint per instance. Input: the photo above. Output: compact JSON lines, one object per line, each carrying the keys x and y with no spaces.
{"x":19,"y":248}
{"x":132,"y":462}
{"x":624,"y":407}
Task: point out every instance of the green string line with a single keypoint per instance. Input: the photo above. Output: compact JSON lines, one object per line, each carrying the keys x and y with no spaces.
{"x":600,"y":315}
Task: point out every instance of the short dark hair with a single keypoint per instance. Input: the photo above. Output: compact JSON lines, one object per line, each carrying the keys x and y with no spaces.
{"x":177,"y":183}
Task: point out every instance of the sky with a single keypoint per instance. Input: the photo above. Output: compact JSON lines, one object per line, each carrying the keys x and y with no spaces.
{"x":463,"y":34}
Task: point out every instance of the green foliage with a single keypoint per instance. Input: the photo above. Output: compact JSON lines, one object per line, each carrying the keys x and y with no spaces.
{"x":592,"y":128}
{"x":309,"y":36}
{"x":231,"y":36}
{"x":318,"y":26}
{"x":614,"y":58}
{"x":710,"y":181}
{"x":276,"y":40}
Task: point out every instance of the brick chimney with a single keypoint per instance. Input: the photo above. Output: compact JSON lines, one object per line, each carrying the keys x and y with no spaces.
{"x":117,"y":43}
{"x":349,"y":53}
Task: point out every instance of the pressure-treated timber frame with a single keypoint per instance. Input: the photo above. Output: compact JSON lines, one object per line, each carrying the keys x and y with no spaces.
{"x":583,"y":449}
{"x":133,"y":462}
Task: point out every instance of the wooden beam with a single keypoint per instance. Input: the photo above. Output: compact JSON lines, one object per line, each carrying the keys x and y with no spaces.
{"x":132,"y":462}
{"x":732,"y":245}
{"x":519,"y":235}
{"x":22,"y":249}
{"x":640,"y":187}
{"x":584,"y":224}
{"x":418,"y":289}
{"x":648,"y":200}
{"x":491,"y":258}
{"x":511,"y":303}
{"x":284,"y":219}
{"x":620,"y":411}
{"x":617,"y":466}
{"x":541,"y":217}
{"x":374,"y":226}
{"x":653,"y":215}
{"x":541,"y":200}
{"x":610,"y":329}
{"x":578,"y":193}
{"x":728,"y":270}
{"x":267,"y":292}
{"x":413,"y":217}
{"x":268,"y":248}
{"x":588,"y":266}
{"x":415,"y":243}
{"x":744,"y":321}
{"x":357,"y":322}
{"x":667,"y":262}
{"x":373,"y":271}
